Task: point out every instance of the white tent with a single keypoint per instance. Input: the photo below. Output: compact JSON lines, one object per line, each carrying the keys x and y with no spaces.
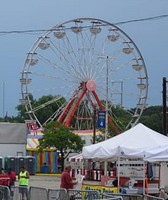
{"x":137,"y":142}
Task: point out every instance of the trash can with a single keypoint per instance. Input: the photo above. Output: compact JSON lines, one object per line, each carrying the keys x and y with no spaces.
{"x":45,"y":169}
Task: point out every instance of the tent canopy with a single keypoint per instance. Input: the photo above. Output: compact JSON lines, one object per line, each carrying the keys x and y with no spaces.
{"x":137,"y":142}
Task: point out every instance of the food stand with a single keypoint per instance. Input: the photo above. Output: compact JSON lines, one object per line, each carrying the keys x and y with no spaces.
{"x":138,"y":143}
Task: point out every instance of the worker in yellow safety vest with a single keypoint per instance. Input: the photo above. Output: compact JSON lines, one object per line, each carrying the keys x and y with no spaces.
{"x":23,"y":182}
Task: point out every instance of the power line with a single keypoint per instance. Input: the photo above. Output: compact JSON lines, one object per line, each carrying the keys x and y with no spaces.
{"x":33,"y":31}
{"x":142,"y":19}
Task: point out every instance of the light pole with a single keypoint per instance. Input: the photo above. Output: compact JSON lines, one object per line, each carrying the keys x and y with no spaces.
{"x":120,"y":92}
{"x":106,"y":103}
{"x":106,"y":108}
{"x":3,"y":100}
{"x":164,"y":105}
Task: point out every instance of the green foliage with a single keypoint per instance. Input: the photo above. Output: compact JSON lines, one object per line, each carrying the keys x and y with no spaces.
{"x":22,"y":115}
{"x":152,"y":118}
{"x":42,"y":114}
{"x":121,"y":117}
{"x":61,"y":138}
{"x":48,"y":110}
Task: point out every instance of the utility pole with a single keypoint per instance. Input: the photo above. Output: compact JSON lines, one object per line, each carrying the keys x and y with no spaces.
{"x":164,"y":106}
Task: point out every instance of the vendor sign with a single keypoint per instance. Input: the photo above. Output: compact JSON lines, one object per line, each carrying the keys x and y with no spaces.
{"x":100,"y":188}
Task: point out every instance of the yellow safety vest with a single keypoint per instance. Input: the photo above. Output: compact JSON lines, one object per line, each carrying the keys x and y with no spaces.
{"x":23,"y":181}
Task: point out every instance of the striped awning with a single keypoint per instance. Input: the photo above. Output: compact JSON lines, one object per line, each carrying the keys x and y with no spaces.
{"x":86,"y":132}
{"x":76,"y":158}
{"x":35,"y":132}
{"x":32,"y":143}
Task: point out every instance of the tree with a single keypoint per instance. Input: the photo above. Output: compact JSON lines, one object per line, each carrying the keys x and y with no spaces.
{"x":47,"y":108}
{"x":22,"y":115}
{"x":152,"y":118}
{"x":61,"y":138}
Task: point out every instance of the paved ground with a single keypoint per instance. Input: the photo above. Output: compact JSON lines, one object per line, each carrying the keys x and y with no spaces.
{"x":47,"y":181}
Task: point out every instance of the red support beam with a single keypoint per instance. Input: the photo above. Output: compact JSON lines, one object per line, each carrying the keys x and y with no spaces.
{"x":65,"y":111}
{"x":74,"y":108}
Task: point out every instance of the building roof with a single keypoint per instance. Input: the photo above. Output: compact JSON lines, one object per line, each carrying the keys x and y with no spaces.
{"x":12,"y":133}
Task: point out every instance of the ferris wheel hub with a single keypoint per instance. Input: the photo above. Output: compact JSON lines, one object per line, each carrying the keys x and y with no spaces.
{"x":91,"y":85}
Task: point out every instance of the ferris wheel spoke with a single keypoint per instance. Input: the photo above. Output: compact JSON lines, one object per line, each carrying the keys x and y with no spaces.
{"x":45,"y":104}
{"x":64,"y":53}
{"x":68,"y":72}
{"x":55,"y":114}
{"x":69,"y":54}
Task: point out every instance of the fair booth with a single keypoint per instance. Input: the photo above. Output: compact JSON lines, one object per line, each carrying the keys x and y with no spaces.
{"x":77,"y":165}
{"x":141,"y":157}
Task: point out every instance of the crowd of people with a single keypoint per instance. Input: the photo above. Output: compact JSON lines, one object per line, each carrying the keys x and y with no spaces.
{"x":8,"y":178}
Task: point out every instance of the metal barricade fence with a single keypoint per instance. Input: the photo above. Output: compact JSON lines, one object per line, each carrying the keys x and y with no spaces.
{"x":83,"y":194}
{"x":37,"y":193}
{"x":124,"y":196}
{"x":57,"y":194}
{"x":19,"y":193}
{"x":111,"y":196}
{"x":151,"y":197}
{"x":26,"y":193}
{"x":4,"y":193}
{"x":107,"y":198}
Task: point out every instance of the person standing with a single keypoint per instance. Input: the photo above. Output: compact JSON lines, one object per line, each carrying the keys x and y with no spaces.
{"x":4,"y":178}
{"x":66,"y":180}
{"x":12,"y":176}
{"x":23,"y":178}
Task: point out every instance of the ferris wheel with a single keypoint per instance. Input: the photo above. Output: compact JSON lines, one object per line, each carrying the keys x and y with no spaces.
{"x":82,"y":66}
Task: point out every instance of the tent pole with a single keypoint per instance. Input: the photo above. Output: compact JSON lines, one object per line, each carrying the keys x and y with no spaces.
{"x":159,"y":174}
{"x":105,"y":168}
{"x":145,"y":189}
{"x":118,"y":174}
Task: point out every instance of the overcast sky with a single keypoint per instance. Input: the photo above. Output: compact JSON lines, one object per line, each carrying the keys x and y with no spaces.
{"x":151,"y":36}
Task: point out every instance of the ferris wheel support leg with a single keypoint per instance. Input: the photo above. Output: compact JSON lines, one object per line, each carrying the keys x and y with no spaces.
{"x":74,"y":108}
